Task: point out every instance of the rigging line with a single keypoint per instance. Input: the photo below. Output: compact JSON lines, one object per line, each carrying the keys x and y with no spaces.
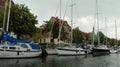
{"x":54,"y":22}
{"x":65,"y":12}
{"x":57,"y":9}
{"x":75,"y":13}
{"x":60,"y":8}
{"x":105,"y":31}
{"x":65,"y":9}
{"x":63,"y":17}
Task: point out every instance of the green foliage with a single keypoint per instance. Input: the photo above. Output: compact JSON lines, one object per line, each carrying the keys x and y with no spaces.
{"x":77,"y":35}
{"x":22,"y":21}
{"x":55,"y":30}
{"x":1,"y":17}
{"x":64,"y":34}
{"x":47,"y":28}
{"x":119,"y":42}
{"x":101,"y":37}
{"x":89,"y":37}
{"x":112,"y":41}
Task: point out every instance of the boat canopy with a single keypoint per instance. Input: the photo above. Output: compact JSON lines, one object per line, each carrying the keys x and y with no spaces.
{"x":7,"y":37}
{"x":34,"y":45}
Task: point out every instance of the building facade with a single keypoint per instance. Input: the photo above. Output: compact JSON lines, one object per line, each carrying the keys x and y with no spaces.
{"x":48,"y":37}
{"x":43,"y":37}
{"x":2,"y":5}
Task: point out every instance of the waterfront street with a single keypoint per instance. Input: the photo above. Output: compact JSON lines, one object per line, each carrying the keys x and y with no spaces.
{"x":111,"y":60}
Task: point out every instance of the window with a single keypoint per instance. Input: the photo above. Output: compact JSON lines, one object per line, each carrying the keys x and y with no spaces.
{"x":44,"y":40}
{"x":40,"y":40}
{"x":12,"y":47}
{"x":24,"y":46}
{"x":4,"y":47}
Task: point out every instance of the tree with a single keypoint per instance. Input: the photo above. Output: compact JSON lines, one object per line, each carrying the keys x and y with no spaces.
{"x":1,"y":17}
{"x":101,"y":37}
{"x":48,"y":26}
{"x":22,"y":21}
{"x":89,"y":37}
{"x":53,"y":27}
{"x":119,"y":42}
{"x":77,"y":35}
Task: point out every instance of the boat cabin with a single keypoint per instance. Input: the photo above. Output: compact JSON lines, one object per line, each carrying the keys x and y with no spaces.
{"x":16,"y":46}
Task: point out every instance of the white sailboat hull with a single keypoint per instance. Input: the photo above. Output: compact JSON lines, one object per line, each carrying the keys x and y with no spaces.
{"x":19,"y":54}
{"x":51,"y":51}
{"x":70,"y":51}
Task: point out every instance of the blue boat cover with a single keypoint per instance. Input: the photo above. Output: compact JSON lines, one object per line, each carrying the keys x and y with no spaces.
{"x":7,"y":37}
{"x":34,"y":45}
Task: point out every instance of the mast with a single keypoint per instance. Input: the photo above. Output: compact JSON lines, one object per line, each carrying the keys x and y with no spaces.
{"x":93,"y":32}
{"x":97,"y":20}
{"x":106,"y":30}
{"x":71,"y":19}
{"x":116,"y":32}
{"x":6,"y":4}
{"x":60,"y":24}
{"x":93,"y":37}
{"x":8,"y":19}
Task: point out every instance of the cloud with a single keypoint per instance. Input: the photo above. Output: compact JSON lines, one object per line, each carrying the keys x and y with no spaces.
{"x":86,"y":9}
{"x":86,"y":23}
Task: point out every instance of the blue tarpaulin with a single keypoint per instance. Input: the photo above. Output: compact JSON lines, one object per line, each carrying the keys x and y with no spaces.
{"x":7,"y":37}
{"x":34,"y":45}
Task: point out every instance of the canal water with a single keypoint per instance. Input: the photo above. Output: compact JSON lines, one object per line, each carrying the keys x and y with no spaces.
{"x":112,"y":60}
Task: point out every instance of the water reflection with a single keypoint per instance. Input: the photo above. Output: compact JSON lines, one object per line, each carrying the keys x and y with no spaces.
{"x":20,"y":62}
{"x":64,"y":61}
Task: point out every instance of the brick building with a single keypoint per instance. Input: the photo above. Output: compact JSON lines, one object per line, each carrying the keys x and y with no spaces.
{"x":2,"y":5}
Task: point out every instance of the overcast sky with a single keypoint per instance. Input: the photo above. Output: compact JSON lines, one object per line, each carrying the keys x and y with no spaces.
{"x":83,"y":14}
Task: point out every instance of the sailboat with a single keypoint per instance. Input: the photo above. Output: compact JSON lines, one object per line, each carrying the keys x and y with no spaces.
{"x":115,"y":48}
{"x":14,"y":48}
{"x":101,"y":49}
{"x":70,"y":51}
